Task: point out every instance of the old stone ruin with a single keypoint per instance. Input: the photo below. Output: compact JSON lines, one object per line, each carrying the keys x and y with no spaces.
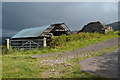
{"x":96,"y":27}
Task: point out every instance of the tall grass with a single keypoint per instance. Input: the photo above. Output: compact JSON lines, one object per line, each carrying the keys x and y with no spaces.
{"x":61,"y":41}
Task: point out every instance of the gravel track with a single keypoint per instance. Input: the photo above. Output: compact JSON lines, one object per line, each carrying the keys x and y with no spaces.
{"x":93,"y":47}
{"x":105,"y":65}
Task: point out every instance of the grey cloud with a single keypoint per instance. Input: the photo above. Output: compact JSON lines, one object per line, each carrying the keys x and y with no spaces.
{"x":17,"y":16}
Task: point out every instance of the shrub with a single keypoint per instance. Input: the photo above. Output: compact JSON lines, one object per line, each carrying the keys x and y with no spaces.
{"x":60,"y":41}
{"x":6,"y":51}
{"x":111,"y":32}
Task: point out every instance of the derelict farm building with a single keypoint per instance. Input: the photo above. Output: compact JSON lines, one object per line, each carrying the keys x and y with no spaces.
{"x":38,"y":36}
{"x":96,"y":27}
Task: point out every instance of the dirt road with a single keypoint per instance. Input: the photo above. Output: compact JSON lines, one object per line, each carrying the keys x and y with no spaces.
{"x":105,"y":65}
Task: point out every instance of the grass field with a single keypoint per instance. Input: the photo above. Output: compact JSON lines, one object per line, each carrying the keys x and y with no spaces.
{"x":19,"y":64}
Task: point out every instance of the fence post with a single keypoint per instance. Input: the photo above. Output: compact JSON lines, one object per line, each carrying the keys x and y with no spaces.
{"x":44,"y":42}
{"x":8,"y":43}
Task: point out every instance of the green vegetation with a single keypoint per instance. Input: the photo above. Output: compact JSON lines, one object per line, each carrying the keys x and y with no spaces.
{"x":0,"y":65}
{"x":83,"y":39}
{"x":19,"y":64}
{"x":48,"y":67}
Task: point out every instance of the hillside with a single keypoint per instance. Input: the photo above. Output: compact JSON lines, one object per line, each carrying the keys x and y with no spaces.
{"x":115,"y":25}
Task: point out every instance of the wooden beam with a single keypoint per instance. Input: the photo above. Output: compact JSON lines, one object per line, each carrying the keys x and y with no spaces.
{"x":44,"y":42}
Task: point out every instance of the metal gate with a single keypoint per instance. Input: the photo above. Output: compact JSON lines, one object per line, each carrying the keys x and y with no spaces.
{"x":26,"y":44}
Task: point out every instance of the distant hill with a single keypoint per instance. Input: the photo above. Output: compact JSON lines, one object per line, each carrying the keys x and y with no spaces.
{"x":74,"y":31}
{"x":115,"y":25}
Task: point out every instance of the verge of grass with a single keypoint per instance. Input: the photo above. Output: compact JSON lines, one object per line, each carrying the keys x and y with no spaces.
{"x":0,"y":65}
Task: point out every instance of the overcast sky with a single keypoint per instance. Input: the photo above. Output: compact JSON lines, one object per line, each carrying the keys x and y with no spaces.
{"x":20,"y":15}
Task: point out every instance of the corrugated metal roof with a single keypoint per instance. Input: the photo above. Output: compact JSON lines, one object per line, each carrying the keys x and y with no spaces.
{"x":31,"y":32}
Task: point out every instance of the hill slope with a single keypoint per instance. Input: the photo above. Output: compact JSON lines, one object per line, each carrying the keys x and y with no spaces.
{"x":115,"y":25}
